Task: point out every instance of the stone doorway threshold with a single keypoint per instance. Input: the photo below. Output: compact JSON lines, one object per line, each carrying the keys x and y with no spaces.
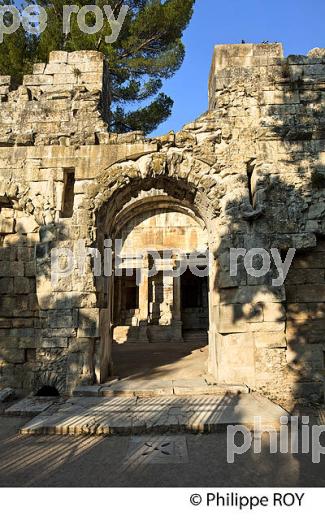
{"x":160,"y":415}
{"x":156,"y":399}
{"x":160,"y":369}
{"x":205,"y":385}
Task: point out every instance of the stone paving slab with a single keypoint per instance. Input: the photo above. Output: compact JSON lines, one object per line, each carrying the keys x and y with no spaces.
{"x":141,"y":388}
{"x":153,"y":450}
{"x":125,"y":416}
{"x":87,"y":391}
{"x":30,"y":406}
{"x":191,"y":387}
{"x":155,"y":388}
{"x":6,"y":394}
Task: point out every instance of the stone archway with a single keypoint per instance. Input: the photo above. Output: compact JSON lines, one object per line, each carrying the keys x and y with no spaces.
{"x":160,"y":289}
{"x":166,"y":239}
{"x":124,"y":192}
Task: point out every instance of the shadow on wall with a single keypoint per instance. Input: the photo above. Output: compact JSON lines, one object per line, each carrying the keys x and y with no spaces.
{"x":262,"y":334}
{"x":280,"y":330}
{"x":45,"y":343}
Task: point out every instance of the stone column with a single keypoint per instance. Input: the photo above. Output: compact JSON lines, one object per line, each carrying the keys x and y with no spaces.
{"x":118,"y":299}
{"x":177,"y":299}
{"x":168,"y":297}
{"x":177,"y":313}
{"x":215,"y":338}
{"x":123,"y":298}
{"x":144,"y":301}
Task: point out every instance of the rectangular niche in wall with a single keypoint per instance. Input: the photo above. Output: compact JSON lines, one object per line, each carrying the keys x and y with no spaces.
{"x":68,"y":193}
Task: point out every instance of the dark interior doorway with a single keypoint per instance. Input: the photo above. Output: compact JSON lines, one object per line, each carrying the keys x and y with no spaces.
{"x":126,"y":298}
{"x":194,"y":302}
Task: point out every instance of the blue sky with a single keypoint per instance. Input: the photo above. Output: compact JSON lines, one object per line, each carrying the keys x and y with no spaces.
{"x":298,"y":24}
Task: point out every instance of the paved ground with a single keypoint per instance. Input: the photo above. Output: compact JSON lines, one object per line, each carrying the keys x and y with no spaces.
{"x":155,"y":459}
{"x":118,"y":461}
{"x":187,"y":360}
{"x":159,"y":387}
{"x":120,"y":415}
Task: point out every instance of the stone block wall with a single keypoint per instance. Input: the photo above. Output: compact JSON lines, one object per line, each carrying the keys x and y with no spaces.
{"x":53,"y":124}
{"x":18,"y":301}
{"x":305,"y":324}
{"x":271,"y":113}
{"x":64,"y":101}
{"x":251,"y":168}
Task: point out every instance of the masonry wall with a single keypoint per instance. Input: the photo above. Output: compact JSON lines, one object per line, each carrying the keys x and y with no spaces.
{"x":55,"y":123}
{"x":252,"y":168}
{"x":271,"y":110}
{"x":18,"y":301}
{"x":305,"y":324}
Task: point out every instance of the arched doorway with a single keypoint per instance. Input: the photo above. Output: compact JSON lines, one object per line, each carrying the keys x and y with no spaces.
{"x":158,"y":295}
{"x":159,"y":291}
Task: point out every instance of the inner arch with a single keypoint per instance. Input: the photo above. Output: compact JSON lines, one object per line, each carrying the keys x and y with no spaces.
{"x":160,"y":318}
{"x":162,"y":240}
{"x":153,"y":328}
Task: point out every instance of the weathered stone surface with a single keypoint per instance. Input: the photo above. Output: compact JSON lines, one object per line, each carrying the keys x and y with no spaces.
{"x":6,"y":394}
{"x":157,"y":388}
{"x":30,"y":406}
{"x":316,"y":53}
{"x":140,"y":388}
{"x":87,"y":391}
{"x":159,"y":415}
{"x":247,"y":174}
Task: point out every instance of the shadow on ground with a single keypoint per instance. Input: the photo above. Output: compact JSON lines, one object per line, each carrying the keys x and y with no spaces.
{"x":103,"y":462}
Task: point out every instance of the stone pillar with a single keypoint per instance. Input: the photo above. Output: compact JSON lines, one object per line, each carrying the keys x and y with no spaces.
{"x":118,"y":300}
{"x":123,"y":298}
{"x":214,"y":317}
{"x":168,"y":298}
{"x":144,"y":301}
{"x":103,"y":357}
{"x":177,"y":313}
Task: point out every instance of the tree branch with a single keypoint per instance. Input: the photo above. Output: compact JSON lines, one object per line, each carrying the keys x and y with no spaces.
{"x":141,"y":46}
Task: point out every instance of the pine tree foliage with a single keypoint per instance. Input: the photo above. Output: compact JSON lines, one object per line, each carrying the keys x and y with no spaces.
{"x":148,"y":50}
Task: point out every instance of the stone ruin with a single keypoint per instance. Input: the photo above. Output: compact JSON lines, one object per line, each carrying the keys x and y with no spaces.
{"x":249,"y":173}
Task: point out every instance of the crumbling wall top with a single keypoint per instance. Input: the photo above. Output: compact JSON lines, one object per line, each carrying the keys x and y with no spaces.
{"x":261,"y":65}
{"x":65,"y":98}
{"x":244,"y":54}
